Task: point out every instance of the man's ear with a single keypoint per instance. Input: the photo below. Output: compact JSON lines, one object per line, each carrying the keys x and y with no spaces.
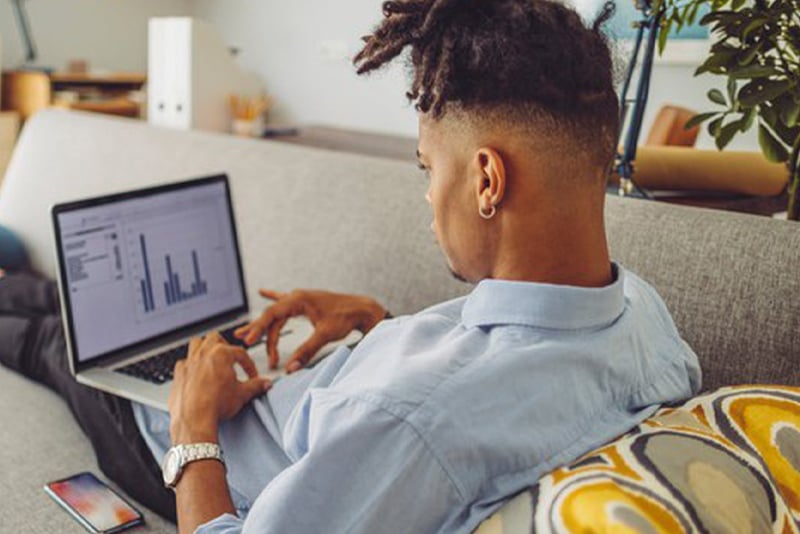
{"x":491,"y":186}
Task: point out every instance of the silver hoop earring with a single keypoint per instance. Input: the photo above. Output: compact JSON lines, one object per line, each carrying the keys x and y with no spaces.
{"x":487,"y":215}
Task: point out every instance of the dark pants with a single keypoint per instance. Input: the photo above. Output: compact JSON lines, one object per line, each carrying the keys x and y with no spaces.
{"x":32,"y":343}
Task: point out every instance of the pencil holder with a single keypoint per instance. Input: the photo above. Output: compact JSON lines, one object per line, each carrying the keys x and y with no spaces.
{"x":244,"y":127}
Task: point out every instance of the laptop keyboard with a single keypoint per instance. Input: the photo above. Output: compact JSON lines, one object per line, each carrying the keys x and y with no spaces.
{"x":159,"y":367}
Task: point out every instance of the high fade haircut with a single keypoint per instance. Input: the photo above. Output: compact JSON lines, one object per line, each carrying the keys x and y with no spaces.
{"x":519,"y":61}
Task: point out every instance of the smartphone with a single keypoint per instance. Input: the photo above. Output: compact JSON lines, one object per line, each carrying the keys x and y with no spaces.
{"x":93,"y":504}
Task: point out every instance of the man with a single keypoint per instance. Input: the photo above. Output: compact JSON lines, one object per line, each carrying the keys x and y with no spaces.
{"x":433,"y":420}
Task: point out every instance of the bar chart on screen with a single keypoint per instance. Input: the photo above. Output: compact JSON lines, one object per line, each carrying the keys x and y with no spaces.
{"x":177,"y":260}
{"x":173,"y":292}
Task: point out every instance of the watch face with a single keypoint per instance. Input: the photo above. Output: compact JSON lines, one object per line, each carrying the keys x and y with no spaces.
{"x":172,"y":466}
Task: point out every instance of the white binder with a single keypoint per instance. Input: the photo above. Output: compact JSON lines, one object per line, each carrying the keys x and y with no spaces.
{"x":191,"y":73}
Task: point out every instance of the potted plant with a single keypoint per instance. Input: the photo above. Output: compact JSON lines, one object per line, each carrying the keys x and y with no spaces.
{"x":756,"y":46}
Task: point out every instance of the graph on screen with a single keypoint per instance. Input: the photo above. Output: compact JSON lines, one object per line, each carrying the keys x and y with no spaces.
{"x":144,"y":266}
{"x":177,"y":259}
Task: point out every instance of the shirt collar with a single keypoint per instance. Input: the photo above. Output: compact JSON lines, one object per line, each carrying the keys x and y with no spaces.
{"x":559,"y":307}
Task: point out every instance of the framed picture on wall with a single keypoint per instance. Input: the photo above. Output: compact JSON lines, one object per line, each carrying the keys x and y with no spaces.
{"x":690,"y":46}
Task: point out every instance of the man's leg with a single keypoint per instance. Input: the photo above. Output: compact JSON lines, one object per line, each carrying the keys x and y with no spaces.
{"x":35,"y":347}
{"x":27,"y":294}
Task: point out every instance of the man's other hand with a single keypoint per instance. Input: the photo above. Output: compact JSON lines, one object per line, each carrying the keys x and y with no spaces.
{"x":207,"y":391}
{"x":333,"y":315}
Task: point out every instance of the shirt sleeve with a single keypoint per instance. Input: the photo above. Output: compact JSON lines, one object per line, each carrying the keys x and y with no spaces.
{"x":358,"y":467}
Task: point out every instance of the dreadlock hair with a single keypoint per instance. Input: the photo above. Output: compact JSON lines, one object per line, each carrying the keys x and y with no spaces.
{"x":529,"y":61}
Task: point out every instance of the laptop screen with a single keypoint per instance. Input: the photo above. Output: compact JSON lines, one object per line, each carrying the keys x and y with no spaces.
{"x":139,"y":266}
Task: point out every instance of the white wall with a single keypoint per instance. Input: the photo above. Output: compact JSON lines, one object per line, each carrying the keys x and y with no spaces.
{"x":300,"y":48}
{"x":285,"y":42}
{"x":110,"y":34}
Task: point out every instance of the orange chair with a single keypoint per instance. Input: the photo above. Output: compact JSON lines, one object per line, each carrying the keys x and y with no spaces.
{"x":668,"y":130}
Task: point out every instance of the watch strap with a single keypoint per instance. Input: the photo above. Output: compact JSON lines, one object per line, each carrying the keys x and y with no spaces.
{"x":186,"y":454}
{"x":191,"y":452}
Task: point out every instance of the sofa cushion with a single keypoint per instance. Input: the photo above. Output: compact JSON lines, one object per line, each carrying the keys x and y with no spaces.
{"x":728,"y":461}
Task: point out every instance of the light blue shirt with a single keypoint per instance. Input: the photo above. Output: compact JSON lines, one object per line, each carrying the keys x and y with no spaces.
{"x":434,"y":419}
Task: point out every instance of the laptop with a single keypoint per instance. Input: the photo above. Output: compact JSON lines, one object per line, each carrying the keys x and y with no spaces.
{"x":142,"y":272}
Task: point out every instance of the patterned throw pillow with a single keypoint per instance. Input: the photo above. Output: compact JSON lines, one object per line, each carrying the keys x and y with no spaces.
{"x":728,"y":461}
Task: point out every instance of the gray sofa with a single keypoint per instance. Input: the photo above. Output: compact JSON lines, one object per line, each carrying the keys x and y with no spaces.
{"x":312,"y":218}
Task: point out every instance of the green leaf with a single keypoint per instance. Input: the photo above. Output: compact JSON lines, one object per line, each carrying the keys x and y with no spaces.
{"x":663,"y":36}
{"x":731,"y":23}
{"x":737,"y":4}
{"x":724,"y":47}
{"x":722,"y":55}
{"x":714,"y":127}
{"x":769,"y":115}
{"x":725,"y":135}
{"x":684,"y":12}
{"x":772,"y":148}
{"x":788,"y":109}
{"x":716,"y":96}
{"x":793,"y":38}
{"x":784,"y":133}
{"x":692,"y":15}
{"x":747,"y":55}
{"x":732,"y":86}
{"x":678,"y":18}
{"x":698,"y":119}
{"x":716,"y":15}
{"x":759,"y":91}
{"x":752,"y":71}
{"x":751,"y":27}
{"x":747,"y":120}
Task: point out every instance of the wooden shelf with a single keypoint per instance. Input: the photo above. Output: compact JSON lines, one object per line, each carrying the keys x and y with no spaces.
{"x":103,"y":79}
{"x":365,"y":143}
{"x":122,"y":107}
{"x":26,"y":92}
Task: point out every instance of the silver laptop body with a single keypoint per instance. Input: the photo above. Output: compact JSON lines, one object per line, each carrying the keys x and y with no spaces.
{"x":142,"y":272}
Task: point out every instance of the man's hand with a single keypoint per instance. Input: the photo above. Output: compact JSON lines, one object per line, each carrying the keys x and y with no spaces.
{"x":333,"y":315}
{"x":206,"y":390}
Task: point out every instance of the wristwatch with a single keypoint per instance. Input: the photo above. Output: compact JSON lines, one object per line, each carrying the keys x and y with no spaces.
{"x":179,"y":456}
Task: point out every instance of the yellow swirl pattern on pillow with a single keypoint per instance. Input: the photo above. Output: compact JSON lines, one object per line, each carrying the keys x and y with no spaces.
{"x":762,"y":422}
{"x":727,"y":461}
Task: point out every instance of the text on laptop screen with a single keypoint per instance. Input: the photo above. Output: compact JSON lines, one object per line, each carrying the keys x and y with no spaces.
{"x":141,"y":267}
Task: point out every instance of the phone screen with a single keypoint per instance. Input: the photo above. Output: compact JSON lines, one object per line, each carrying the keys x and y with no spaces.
{"x":93,"y":503}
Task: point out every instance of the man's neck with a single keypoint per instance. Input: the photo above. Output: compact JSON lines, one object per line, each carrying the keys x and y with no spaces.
{"x":596,"y":274}
{"x":572,"y":253}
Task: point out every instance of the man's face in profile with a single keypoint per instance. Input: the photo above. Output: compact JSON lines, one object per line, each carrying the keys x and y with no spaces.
{"x":446,"y":154}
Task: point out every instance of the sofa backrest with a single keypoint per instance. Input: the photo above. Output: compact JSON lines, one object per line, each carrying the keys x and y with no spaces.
{"x":305,"y":217}
{"x":314,"y":218}
{"x":730,"y":280}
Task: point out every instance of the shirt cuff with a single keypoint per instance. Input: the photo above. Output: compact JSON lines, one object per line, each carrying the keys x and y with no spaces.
{"x":224,"y":524}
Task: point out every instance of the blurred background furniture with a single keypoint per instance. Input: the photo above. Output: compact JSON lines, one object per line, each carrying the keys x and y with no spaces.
{"x":28,"y":91}
{"x":9,"y":128}
{"x":668,"y":128}
{"x":192,"y":73}
{"x":672,"y":170}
